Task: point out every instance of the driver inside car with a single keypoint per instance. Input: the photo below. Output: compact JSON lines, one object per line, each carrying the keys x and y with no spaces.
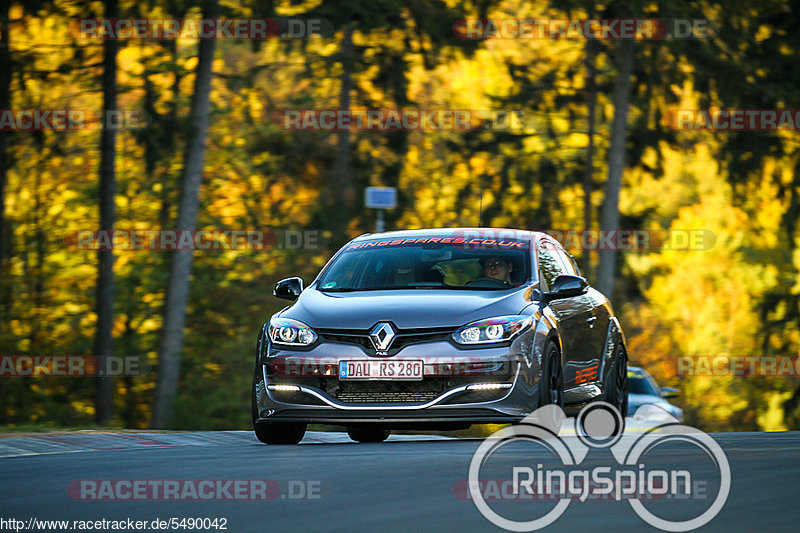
{"x":498,"y":268}
{"x":495,"y":269}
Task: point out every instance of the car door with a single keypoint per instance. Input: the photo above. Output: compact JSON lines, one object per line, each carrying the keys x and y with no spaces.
{"x":590,"y":369}
{"x":573,"y":314}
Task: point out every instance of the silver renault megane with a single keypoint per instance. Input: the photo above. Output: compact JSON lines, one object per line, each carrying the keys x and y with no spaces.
{"x":435,"y":328}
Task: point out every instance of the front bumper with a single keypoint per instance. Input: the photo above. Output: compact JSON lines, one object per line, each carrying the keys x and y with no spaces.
{"x":458,"y":388}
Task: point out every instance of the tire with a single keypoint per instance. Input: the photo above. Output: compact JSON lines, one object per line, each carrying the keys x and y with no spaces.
{"x":616,"y":382}
{"x":253,"y":395}
{"x":273,"y":432}
{"x":368,"y":433}
{"x":280,"y":432}
{"x":551,"y":382}
{"x":257,"y":376}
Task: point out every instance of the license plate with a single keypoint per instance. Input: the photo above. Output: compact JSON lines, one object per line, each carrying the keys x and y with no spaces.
{"x":383,"y":370}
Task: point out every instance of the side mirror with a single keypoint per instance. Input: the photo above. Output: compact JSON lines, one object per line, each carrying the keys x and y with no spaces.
{"x":669,"y":392}
{"x":289,"y":288}
{"x":566,"y":286}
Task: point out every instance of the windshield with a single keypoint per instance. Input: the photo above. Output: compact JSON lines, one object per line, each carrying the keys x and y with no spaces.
{"x":639,"y":383}
{"x":430,"y":262}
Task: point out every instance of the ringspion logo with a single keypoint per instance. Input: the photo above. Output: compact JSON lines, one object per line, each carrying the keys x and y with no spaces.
{"x":598,"y":426}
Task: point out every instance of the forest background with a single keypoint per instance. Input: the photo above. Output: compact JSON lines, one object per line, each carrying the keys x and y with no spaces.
{"x":593,"y":145}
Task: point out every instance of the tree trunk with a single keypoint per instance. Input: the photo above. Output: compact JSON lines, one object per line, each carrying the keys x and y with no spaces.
{"x":341,"y":187}
{"x":609,"y":217}
{"x":588,"y":174}
{"x":178,"y":285}
{"x":104,"y":305}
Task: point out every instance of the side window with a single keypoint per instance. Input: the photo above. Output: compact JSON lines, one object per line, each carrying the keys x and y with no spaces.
{"x":549,"y":264}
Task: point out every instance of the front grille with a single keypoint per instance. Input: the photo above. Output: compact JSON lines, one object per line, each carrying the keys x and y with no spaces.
{"x":360,"y":340}
{"x":405,"y":337}
{"x":386,"y":391}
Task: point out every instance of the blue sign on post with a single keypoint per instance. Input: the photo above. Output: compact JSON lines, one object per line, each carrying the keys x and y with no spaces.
{"x":380,"y":197}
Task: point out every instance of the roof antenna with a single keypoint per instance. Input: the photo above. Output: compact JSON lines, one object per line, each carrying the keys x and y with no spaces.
{"x":480,"y":212}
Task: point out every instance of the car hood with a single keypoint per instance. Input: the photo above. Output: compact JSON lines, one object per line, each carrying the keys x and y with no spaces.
{"x":413,"y":308}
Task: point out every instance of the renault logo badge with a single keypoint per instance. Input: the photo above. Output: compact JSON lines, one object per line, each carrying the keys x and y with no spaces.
{"x":382,"y":336}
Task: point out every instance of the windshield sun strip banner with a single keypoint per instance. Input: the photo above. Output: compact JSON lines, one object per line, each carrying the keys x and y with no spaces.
{"x":464,"y":242}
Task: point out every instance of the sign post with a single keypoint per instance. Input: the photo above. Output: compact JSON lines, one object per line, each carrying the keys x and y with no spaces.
{"x":380,"y":198}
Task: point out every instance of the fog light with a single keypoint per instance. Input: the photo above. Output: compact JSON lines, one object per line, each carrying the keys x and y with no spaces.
{"x":489,"y":386}
{"x":284,"y":388}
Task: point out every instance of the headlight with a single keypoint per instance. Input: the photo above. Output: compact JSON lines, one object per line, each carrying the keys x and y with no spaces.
{"x":288,"y":332}
{"x":497,"y":329}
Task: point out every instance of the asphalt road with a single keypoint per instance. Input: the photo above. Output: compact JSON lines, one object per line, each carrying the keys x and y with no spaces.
{"x":327,"y":483}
